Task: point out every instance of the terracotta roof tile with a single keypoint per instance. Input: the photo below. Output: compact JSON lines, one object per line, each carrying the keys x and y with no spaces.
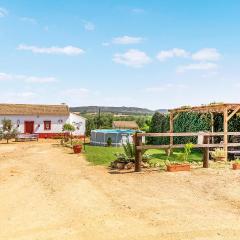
{"x":33,"y":109}
{"x":125,"y":124}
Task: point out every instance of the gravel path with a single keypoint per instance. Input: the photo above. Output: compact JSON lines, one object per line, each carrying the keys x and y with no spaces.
{"x":48,"y":193}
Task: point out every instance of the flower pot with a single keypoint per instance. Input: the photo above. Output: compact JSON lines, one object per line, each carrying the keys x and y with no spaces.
{"x":77,"y":148}
{"x":178,"y":167}
{"x":236,"y":166}
{"x":219,"y":159}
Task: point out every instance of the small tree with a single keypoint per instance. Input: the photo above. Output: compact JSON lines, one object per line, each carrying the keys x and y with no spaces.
{"x":67,"y":127}
{"x":7,"y":131}
{"x":1,"y":134}
{"x":109,"y":142}
{"x":159,"y":124}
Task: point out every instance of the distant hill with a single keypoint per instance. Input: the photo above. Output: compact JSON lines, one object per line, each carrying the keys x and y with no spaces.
{"x":161,"y":110}
{"x":114,"y":110}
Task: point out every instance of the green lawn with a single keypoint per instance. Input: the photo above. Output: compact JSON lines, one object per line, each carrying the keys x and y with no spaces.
{"x":159,"y":154}
{"x":101,"y":155}
{"x":104,"y":155}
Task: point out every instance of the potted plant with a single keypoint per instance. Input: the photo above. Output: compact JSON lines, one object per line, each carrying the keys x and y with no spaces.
{"x":126,"y":160}
{"x":7,"y":130}
{"x":77,"y":146}
{"x":109,"y":142}
{"x":236,"y":164}
{"x":69,"y":129}
{"x":176,"y":167}
{"x":185,"y":166}
{"x":218,"y":155}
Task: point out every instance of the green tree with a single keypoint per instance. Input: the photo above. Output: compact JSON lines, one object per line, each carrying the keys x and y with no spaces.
{"x":191,"y":122}
{"x":159,"y":124}
{"x":8,"y":131}
{"x":69,"y":128}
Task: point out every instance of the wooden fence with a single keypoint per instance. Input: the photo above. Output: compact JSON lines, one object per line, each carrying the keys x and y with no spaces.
{"x":139,"y":146}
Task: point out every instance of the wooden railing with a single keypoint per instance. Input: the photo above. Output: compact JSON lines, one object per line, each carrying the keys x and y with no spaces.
{"x":139,"y":146}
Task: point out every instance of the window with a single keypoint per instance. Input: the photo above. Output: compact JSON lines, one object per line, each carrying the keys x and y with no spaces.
{"x":47,"y":125}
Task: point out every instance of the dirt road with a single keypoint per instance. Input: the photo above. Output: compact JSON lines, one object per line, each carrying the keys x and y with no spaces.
{"x":48,"y":193}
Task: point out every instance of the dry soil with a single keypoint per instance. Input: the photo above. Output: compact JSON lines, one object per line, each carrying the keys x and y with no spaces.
{"x":47,"y":193}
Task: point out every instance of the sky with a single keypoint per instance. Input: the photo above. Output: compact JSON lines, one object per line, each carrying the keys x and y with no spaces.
{"x":153,"y":54}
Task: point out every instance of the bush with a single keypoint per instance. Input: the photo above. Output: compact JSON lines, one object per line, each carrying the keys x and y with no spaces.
{"x":159,"y":124}
{"x":109,"y":142}
{"x":185,"y":122}
{"x":69,"y":128}
{"x":7,"y":131}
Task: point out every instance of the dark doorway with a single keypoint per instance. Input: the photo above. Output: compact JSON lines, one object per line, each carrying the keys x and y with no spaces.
{"x":29,"y":127}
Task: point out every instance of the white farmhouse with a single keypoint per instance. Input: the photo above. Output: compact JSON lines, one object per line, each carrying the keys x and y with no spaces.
{"x":45,"y":120}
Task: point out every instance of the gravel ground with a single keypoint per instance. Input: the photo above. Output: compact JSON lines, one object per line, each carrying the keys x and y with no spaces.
{"x":46,"y":192}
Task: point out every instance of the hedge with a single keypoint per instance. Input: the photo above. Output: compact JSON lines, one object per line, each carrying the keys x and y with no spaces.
{"x":189,"y":122}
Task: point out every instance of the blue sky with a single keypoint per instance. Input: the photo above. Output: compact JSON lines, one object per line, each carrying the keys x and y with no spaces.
{"x":154,"y":54}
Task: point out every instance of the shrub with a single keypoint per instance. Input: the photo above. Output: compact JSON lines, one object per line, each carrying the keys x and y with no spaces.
{"x":76,"y":142}
{"x":69,"y":128}
{"x":218,"y":153}
{"x":7,"y":131}
{"x":159,"y":124}
{"x":109,"y":142}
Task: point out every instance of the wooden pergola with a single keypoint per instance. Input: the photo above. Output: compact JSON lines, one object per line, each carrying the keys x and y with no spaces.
{"x":227,"y":109}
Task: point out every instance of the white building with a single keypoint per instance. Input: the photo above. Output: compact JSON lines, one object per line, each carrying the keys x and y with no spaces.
{"x":45,"y":120}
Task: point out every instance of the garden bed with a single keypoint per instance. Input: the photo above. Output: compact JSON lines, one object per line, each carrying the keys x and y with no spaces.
{"x":105,"y":155}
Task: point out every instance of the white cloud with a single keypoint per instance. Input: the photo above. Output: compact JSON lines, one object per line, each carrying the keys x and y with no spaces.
{"x":88,"y":26}
{"x":76,"y":92}
{"x":29,"y":20}
{"x":175,"y":52}
{"x":202,"y":66}
{"x":206,"y":54}
{"x":32,"y":79}
{"x":17,"y":97}
{"x":68,"y":50}
{"x":210,"y":74}
{"x":46,"y":28}
{"x":3,"y":12}
{"x":124,"y":40}
{"x":105,"y":44}
{"x":5,"y":76}
{"x":155,"y":89}
{"x":24,"y":94}
{"x":165,"y":87}
{"x":29,"y":79}
{"x":138,"y":10}
{"x":132,"y":58}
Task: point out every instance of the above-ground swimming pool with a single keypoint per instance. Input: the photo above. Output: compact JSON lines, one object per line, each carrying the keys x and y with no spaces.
{"x":99,"y":137}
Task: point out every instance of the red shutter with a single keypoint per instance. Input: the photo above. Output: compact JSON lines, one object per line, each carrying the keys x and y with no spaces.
{"x":47,"y":125}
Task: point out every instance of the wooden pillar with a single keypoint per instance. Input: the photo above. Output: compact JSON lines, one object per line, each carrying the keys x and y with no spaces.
{"x":138,"y":153}
{"x":212,"y":125}
{"x":225,"y":130}
{"x":171,"y":128}
{"x":205,"y":152}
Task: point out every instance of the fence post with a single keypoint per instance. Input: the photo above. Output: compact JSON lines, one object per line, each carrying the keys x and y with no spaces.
{"x":205,"y":152}
{"x":138,"y":153}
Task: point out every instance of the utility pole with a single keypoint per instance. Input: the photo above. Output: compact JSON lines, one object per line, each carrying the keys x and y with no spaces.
{"x":99,"y":118}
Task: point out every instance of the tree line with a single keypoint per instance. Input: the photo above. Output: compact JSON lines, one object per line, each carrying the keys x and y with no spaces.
{"x":190,"y":122}
{"x":105,"y":121}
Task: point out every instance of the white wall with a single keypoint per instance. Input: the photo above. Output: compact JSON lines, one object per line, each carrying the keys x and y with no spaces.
{"x":38,"y":120}
{"x":78,"y":122}
{"x":57,"y":123}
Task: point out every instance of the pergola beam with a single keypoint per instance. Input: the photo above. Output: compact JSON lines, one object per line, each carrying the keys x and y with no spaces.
{"x":212,"y":108}
{"x":225,"y":130}
{"x":233,"y":113}
{"x":175,"y":117}
{"x":171,"y":127}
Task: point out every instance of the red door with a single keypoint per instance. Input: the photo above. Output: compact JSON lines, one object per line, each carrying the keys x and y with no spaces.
{"x":29,"y":127}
